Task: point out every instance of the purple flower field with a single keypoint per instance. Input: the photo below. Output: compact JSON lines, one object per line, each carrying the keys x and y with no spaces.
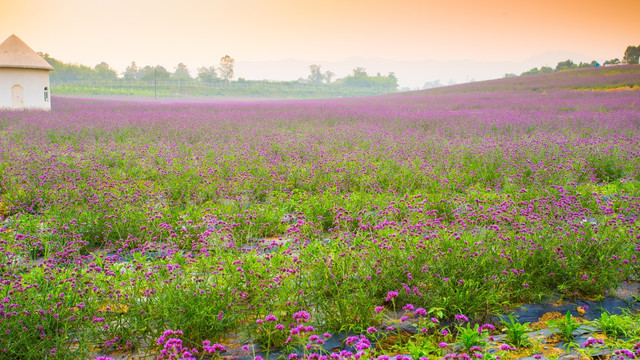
{"x":174,"y":226}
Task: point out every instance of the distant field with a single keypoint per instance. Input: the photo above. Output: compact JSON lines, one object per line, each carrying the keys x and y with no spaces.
{"x":186,"y":89}
{"x":363,"y":226}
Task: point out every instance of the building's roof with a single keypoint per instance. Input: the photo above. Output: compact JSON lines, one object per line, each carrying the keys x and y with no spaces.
{"x":14,"y":53}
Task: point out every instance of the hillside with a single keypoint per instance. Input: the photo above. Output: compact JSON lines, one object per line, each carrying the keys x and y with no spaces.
{"x":589,"y":78}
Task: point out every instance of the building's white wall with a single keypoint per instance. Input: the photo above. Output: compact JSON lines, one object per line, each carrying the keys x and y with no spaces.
{"x":33,"y":81}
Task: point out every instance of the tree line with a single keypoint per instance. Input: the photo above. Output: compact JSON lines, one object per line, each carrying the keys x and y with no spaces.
{"x":72,"y":72}
{"x":358,"y":79}
{"x":210,"y":74}
{"x":564,"y":65}
{"x":631,"y":56}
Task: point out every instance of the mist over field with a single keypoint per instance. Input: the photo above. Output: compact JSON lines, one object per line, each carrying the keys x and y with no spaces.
{"x":411,"y":74}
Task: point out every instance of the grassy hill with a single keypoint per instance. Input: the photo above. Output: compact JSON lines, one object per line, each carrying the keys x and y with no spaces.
{"x":601,"y":78}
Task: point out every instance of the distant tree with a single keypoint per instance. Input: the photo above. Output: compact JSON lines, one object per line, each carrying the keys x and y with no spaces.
{"x":533,"y":71}
{"x":131,"y":73}
{"x":565,"y":65}
{"x":162,"y":73}
{"x":510,"y":75}
{"x":157,"y":73}
{"x":612,"y":62}
{"x":588,"y":65}
{"x":146,"y":73}
{"x":226,"y":67}
{"x":451,"y":82}
{"x":392,"y":81}
{"x":546,"y":69}
{"x":632,"y":54}
{"x":432,"y":84}
{"x":359,"y":72}
{"x":181,"y":73}
{"x":359,"y":78}
{"x":315,"y":75}
{"x":105,"y":72}
{"x":207,"y":74}
{"x":328,"y":75}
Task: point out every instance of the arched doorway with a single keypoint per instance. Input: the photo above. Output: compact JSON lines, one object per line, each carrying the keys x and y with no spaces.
{"x":17,"y":96}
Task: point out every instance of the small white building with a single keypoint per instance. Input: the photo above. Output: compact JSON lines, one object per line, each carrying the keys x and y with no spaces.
{"x":24,"y":77}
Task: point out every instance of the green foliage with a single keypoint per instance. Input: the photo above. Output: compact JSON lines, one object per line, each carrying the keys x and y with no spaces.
{"x":566,"y":65}
{"x":632,"y":54}
{"x":157,"y":73}
{"x":565,"y":326}
{"x":516,"y":332}
{"x":617,"y":325}
{"x":421,"y":346}
{"x":315,"y":75}
{"x":105,"y":72}
{"x":131,"y":73}
{"x":70,"y":72}
{"x":181,"y":73}
{"x":360,"y":78}
{"x":531,"y":72}
{"x":469,"y":336}
{"x":612,"y":62}
{"x":207,"y":74}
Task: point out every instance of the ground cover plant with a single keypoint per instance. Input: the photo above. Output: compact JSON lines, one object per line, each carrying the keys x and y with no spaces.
{"x":179,"y":227}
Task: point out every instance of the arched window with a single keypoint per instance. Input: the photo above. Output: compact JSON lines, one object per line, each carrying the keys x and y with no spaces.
{"x":46,"y":94}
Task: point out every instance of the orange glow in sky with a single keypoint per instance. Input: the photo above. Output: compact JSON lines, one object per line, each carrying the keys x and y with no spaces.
{"x":199,"y":32}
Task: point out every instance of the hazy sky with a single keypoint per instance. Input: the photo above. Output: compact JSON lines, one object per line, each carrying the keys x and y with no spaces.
{"x":200,"y":32}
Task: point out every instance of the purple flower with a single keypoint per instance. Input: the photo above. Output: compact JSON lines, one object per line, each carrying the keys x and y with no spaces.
{"x":507,"y":347}
{"x":591,"y":341}
{"x":486,"y":326}
{"x":301,"y":316}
